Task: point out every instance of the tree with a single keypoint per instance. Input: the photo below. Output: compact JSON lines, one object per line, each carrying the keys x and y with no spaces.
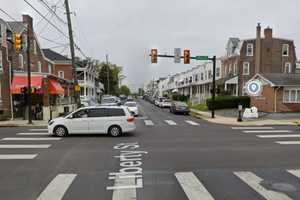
{"x":125,"y":90}
{"x":113,"y":76}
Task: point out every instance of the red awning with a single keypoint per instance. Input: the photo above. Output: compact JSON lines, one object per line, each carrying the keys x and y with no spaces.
{"x":20,"y":81}
{"x":55,"y":87}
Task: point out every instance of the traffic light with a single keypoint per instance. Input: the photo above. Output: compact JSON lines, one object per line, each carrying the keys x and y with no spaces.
{"x":153,"y":55}
{"x":186,"y":56}
{"x":18,"y":43}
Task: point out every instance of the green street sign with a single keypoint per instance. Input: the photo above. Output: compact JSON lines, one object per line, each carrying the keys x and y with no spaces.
{"x":202,"y":58}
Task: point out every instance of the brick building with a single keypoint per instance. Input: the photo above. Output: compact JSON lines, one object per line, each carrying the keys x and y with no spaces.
{"x":245,"y":58}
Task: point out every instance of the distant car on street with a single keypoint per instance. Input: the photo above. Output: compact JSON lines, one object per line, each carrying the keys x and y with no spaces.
{"x":132,"y":107}
{"x":110,"y":101}
{"x":178,"y":107}
{"x":112,"y":120}
{"x":166,"y":103}
{"x":129,"y":98}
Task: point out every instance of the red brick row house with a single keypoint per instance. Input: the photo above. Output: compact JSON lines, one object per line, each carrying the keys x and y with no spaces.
{"x":49,"y":89}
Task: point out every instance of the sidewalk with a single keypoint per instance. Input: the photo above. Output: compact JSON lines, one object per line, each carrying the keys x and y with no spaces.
{"x":22,"y":123}
{"x":233,"y":120}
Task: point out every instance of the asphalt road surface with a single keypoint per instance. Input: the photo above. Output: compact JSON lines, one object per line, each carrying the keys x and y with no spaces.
{"x":168,"y":157}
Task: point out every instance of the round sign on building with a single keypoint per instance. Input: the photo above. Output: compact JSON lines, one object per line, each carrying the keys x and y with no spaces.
{"x":254,"y":88}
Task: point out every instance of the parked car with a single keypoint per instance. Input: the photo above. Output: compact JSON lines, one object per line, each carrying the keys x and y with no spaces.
{"x":132,"y":107}
{"x":123,"y":99}
{"x":165,"y":103}
{"x":179,"y":107}
{"x":160,"y":100}
{"x":112,"y":120}
{"x":129,"y":98}
{"x":110,"y":101}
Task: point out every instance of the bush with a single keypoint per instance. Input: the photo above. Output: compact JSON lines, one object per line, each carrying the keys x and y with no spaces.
{"x":179,"y":97}
{"x":201,"y":107}
{"x":222,"y":102}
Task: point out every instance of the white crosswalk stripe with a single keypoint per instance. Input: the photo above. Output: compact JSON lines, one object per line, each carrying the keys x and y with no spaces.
{"x":295,"y":172}
{"x":17,"y":156}
{"x":148,"y":123}
{"x":252,"y":128}
{"x":268,"y":131}
{"x":192,"y":187}
{"x":192,"y":123}
{"x":288,"y":142}
{"x":57,"y":187}
{"x":254,"y":182}
{"x":38,"y":129}
{"x":24,"y":146}
{"x":170,"y":122}
{"x":279,"y":136}
{"x":122,"y":189}
{"x":25,"y":139}
{"x":36,"y":133}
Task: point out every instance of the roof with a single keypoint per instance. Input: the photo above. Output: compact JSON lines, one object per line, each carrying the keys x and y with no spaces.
{"x":52,"y":55}
{"x":281,"y":79}
{"x":17,"y":27}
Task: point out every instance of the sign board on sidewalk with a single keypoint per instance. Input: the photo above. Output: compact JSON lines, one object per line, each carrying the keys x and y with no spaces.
{"x":77,"y":88}
{"x":254,"y":88}
{"x":177,"y":55}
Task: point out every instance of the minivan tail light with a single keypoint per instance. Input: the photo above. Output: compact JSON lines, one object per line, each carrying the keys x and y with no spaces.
{"x":130,"y":119}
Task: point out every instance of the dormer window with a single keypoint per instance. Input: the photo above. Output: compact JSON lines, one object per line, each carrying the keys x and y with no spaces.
{"x":249,"y":49}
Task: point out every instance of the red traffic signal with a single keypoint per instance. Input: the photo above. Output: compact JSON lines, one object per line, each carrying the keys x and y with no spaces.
{"x":186,"y":56}
{"x":153,"y":55}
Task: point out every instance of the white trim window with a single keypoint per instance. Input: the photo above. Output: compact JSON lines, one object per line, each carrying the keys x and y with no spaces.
{"x":49,"y":69}
{"x":291,"y":95}
{"x":1,"y":61}
{"x":246,"y":68}
{"x":21,"y":61}
{"x":249,"y":49}
{"x":34,"y":47}
{"x":285,"y":50}
{"x":287,"y":68}
{"x":39,"y":66}
{"x":234,"y":69}
{"x":61,"y":74}
{"x":218,"y":74}
{"x":230,"y":69}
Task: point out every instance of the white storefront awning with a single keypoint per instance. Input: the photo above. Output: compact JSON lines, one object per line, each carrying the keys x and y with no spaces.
{"x":234,"y":80}
{"x":175,"y":90}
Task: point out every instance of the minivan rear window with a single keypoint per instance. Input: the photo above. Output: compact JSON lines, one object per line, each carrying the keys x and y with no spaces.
{"x":115,"y":112}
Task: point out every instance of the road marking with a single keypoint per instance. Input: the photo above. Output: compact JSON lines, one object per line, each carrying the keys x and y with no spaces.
{"x":20,"y":138}
{"x":37,"y":129}
{"x":279,"y":136}
{"x":170,"y":122}
{"x":192,"y":123}
{"x":33,"y":134}
{"x":295,"y":172}
{"x":268,"y":131}
{"x":148,"y":123}
{"x":252,"y":128}
{"x":124,"y":192}
{"x":254,"y":182}
{"x":287,"y":142}
{"x":17,"y":156}
{"x":25,"y":146}
{"x":192,"y":187}
{"x":57,"y":187}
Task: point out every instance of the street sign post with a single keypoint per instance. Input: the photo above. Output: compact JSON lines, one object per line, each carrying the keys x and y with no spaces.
{"x":177,"y":55}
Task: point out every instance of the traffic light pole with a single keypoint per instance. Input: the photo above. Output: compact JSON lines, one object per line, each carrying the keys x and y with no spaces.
{"x":29,"y":77}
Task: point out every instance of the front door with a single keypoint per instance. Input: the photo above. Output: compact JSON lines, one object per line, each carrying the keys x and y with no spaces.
{"x":97,"y":120}
{"x":79,"y":123}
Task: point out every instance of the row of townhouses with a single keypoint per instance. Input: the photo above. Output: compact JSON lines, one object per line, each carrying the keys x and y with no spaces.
{"x":51,"y":78}
{"x":270,"y":60}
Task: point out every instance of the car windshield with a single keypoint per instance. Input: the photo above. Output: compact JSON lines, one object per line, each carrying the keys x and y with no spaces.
{"x":108,"y":100}
{"x":181,"y":104}
{"x":131,"y":104}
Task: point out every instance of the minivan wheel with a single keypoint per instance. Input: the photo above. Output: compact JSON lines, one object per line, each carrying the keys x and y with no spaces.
{"x":115,"y":131}
{"x":60,"y":131}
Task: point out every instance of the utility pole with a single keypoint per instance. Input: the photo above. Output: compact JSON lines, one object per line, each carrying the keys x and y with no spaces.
{"x":213,"y":88}
{"x":77,"y":99}
{"x":107,"y":68}
{"x":29,"y":28}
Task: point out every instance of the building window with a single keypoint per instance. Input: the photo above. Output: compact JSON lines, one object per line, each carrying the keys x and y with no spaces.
{"x":202,"y":76}
{"x":196,"y":78}
{"x":34,"y":47}
{"x":1,"y":62}
{"x":49,"y":69}
{"x":82,"y":91}
{"x":291,"y":96}
{"x":209,"y":74}
{"x":61,"y":74}
{"x":218,"y":72}
{"x":285,"y":50}
{"x":246,"y":68}
{"x":21,"y":61}
{"x":39,"y":66}
{"x":230,"y":69}
{"x":249,"y":49}
{"x":225,"y":70}
{"x":287,"y":68}
{"x":235,"y":69}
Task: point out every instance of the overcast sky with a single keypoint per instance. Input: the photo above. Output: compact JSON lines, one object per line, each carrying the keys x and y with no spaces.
{"x":127,"y":30}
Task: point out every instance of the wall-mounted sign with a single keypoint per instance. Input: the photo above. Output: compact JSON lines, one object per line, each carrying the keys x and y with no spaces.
{"x":254,"y":88}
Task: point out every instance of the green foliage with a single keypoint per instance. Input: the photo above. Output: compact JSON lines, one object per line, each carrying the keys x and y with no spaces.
{"x":201,"y":107}
{"x":222,"y":102}
{"x":141,"y":92}
{"x":124,"y":90}
{"x":179,"y":97}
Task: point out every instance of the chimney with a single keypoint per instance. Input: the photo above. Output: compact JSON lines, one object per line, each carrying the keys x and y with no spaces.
{"x":268,"y":33}
{"x":27,"y":20}
{"x":258,"y":49}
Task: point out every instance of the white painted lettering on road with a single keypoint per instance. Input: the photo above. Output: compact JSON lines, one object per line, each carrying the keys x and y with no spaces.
{"x":148,"y":123}
{"x":254,"y":182}
{"x":192,"y":123}
{"x":295,"y":172}
{"x":170,"y":122}
{"x":57,"y":187}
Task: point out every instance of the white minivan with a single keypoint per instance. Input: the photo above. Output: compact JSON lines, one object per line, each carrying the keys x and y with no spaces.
{"x":112,"y":120}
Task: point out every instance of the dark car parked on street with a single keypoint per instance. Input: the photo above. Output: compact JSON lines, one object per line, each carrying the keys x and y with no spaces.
{"x":178,"y":107}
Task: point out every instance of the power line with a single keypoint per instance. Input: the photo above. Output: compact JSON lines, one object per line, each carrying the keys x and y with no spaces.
{"x":53,"y":11}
